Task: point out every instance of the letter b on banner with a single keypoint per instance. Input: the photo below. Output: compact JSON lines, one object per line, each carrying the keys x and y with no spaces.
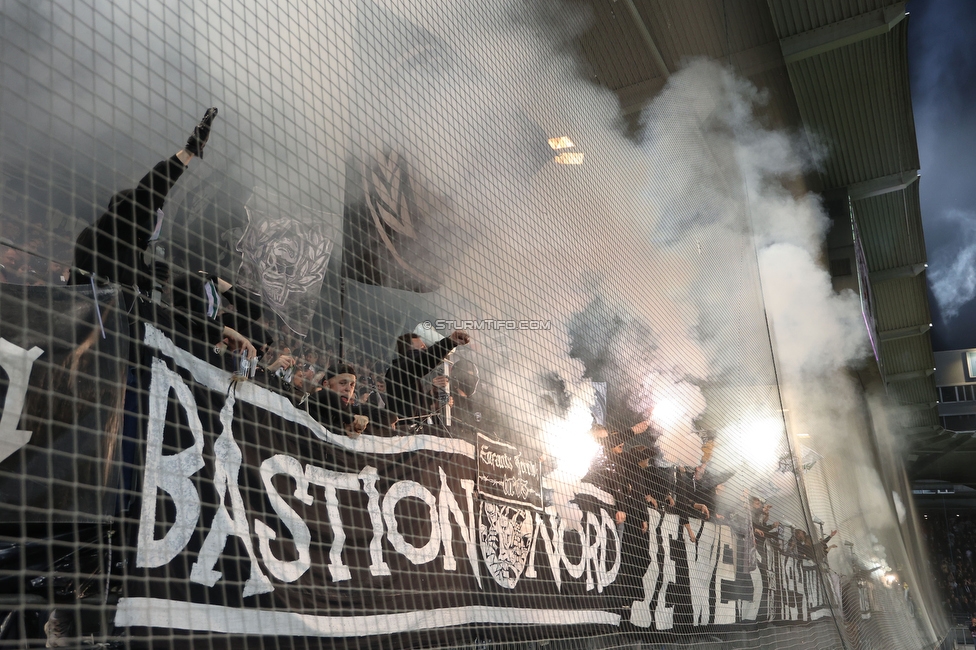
{"x":169,"y":473}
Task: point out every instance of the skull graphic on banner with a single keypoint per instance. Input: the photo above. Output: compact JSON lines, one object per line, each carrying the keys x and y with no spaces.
{"x":505,"y":534}
{"x":286,"y":249}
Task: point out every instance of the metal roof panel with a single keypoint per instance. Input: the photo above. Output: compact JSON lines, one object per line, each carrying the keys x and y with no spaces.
{"x":891,"y":229}
{"x":858,"y":101}
{"x":793,"y":17}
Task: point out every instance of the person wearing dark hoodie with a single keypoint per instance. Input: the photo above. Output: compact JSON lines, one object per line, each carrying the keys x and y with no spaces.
{"x":195,"y":301}
{"x":332,"y":406}
{"x":246,"y":314}
{"x":466,"y":414}
{"x":111,"y":249}
{"x":414,"y":360}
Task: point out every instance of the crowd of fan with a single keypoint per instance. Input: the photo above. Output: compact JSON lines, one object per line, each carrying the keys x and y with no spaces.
{"x":628,"y":470}
{"x":206,"y":313}
{"x":951,"y":544}
{"x":357,"y":395}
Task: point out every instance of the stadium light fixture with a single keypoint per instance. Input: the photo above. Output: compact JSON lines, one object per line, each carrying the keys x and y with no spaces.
{"x":575,"y":158}
{"x":562,"y":142}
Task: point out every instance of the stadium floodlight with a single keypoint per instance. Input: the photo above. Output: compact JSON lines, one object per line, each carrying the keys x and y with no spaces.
{"x":562,"y":142}
{"x":569,"y":158}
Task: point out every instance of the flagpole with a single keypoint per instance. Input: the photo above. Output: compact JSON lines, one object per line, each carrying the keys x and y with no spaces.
{"x":342,"y":316}
{"x":448,"y":362}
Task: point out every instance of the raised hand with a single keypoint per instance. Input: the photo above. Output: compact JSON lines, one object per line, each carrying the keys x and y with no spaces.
{"x":201,"y":133}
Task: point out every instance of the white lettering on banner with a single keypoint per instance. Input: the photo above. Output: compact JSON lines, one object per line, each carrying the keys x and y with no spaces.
{"x":604,"y":576}
{"x":663,"y":614}
{"x":332,"y":482}
{"x":505,"y":461}
{"x":227,"y":469}
{"x":640,"y":610}
{"x":171,"y":474}
{"x":816,"y":592}
{"x":796,"y":602}
{"x":448,"y":507}
{"x":401,"y":490}
{"x":794,"y":588}
{"x":724,"y":572}
{"x":17,"y":363}
{"x":295,"y":569}
{"x":576,"y":526}
{"x":548,"y":539}
{"x":168,"y":473}
{"x":749,"y":609}
{"x":591,"y":544}
{"x":702,"y":557}
{"x":377,"y":566}
{"x":810,"y":590}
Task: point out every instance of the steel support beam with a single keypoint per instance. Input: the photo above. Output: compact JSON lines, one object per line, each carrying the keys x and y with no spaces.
{"x":920,"y":436}
{"x":837,"y":35}
{"x":907,"y":271}
{"x":919,"y":406}
{"x":757,"y":60}
{"x":635,"y":97}
{"x":748,"y":63}
{"x":912,"y":374}
{"x":903,"y":332}
{"x":930,"y":459}
{"x":659,"y":63}
{"x":882,"y":185}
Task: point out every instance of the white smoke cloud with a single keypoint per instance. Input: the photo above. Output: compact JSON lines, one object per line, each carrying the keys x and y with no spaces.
{"x":817,"y":331}
{"x":955,"y":286}
{"x":689,"y":237}
{"x":899,"y":507}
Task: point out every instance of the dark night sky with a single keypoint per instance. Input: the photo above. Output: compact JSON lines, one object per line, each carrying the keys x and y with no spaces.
{"x":942,"y":62}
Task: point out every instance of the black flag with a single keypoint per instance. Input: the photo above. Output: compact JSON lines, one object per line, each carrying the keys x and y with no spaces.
{"x":386,"y":239}
{"x":285,"y":251}
{"x":63,"y":356}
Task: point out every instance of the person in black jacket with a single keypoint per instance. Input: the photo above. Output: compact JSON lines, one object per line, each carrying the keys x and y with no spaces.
{"x":688,"y":499}
{"x":247,"y":314}
{"x":196,"y":308}
{"x":332,"y":405}
{"x":111,"y":248}
{"x":404,"y":379}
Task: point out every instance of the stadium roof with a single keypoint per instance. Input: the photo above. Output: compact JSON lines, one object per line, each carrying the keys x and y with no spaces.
{"x":839,"y":68}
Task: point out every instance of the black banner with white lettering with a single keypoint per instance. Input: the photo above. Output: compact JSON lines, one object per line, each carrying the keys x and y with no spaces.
{"x":62,"y":382}
{"x":506,"y":474}
{"x":257,"y":520}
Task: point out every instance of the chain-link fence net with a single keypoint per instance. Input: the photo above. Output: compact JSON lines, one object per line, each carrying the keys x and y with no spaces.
{"x":413,"y":342}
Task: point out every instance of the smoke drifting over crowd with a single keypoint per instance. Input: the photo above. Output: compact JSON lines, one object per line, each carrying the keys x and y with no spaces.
{"x":660,"y":233}
{"x":663,"y":261}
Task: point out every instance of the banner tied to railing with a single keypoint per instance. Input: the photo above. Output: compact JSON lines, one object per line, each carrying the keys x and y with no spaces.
{"x":256,"y":519}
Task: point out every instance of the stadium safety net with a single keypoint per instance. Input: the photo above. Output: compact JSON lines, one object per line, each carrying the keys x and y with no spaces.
{"x":377,"y":324}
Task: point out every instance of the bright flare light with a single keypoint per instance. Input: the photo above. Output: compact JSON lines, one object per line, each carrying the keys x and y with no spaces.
{"x":667,"y":413}
{"x":571,"y":442}
{"x":759,"y":442}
